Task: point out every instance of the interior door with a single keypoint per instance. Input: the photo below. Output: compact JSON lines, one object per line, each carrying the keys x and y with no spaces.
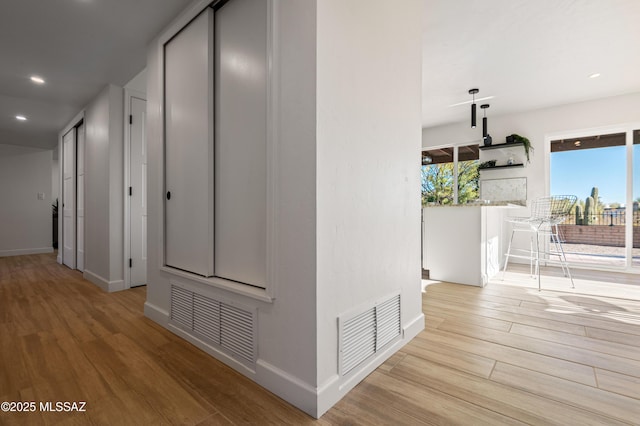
{"x":138,"y":193}
{"x":69,"y":199}
{"x":189,"y":147}
{"x":80,"y":198}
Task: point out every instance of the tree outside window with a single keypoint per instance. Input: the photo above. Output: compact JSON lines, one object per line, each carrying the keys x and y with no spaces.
{"x":450,"y":175}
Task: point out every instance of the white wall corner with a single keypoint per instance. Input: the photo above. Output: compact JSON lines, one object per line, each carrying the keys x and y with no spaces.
{"x":337,"y":387}
{"x":290,"y":388}
{"x":96,"y":279}
{"x":103,"y":283}
{"x":116,"y":285}
{"x":156,"y":314}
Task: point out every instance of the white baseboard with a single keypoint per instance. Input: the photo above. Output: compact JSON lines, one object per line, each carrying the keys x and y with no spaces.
{"x":314,"y":401}
{"x":21,"y":252}
{"x":281,"y":383}
{"x":156,"y":314}
{"x":287,"y":387}
{"x":108,"y":286}
{"x":334,"y":389}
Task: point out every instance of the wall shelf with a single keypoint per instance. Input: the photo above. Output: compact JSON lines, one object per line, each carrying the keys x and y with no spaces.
{"x":506,"y":166}
{"x":501,"y":145}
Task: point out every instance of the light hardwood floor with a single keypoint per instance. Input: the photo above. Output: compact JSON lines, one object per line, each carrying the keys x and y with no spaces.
{"x":499,"y":355}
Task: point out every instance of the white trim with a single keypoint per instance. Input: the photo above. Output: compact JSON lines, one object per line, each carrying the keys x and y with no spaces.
{"x":106,"y":285}
{"x":273,"y":148}
{"x":128,"y":95}
{"x":20,"y":252}
{"x":628,"y":234}
{"x":221,"y":283}
{"x":73,"y":123}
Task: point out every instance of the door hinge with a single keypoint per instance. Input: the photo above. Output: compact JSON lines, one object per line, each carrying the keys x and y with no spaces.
{"x":130,"y":119}
{"x":130,"y":191}
{"x":130,"y":263}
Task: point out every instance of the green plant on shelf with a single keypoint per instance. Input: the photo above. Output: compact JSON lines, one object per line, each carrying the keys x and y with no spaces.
{"x":526,"y":144}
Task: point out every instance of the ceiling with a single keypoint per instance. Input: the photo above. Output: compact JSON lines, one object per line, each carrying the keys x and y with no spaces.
{"x":77,"y":46}
{"x":528,"y":54}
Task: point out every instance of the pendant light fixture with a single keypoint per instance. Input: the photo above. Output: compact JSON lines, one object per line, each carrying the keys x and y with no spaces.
{"x":484,"y":120}
{"x":473,"y":92}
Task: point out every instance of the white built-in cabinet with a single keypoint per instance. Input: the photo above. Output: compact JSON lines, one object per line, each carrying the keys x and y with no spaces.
{"x":80,"y":198}
{"x":69,"y":198}
{"x":215,"y":87}
{"x":188,"y":170}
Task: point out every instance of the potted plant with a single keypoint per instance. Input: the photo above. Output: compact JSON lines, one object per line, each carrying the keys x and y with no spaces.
{"x":526,"y":144}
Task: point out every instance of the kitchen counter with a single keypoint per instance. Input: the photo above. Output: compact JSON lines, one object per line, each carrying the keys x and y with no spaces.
{"x":463,"y":243}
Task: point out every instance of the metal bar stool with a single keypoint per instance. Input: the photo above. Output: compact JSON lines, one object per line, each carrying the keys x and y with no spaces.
{"x":546,"y":214}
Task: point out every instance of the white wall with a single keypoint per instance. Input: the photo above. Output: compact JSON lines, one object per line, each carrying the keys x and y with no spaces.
{"x":104,"y":190}
{"x":368,"y":185}
{"x":139,"y":82}
{"x":342,"y":236}
{"x":25,"y":221}
{"x":536,"y":125}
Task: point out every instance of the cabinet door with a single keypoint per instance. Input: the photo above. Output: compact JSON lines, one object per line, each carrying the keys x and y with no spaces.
{"x":69,"y":199}
{"x":189,"y":147}
{"x":241,"y":138}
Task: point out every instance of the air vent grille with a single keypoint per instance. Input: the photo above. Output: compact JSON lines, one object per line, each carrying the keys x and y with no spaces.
{"x":206,"y":317}
{"x":366,"y":333}
{"x":388,"y":321}
{"x":221,"y":324}
{"x":237,"y":331}
{"x":182,"y":306}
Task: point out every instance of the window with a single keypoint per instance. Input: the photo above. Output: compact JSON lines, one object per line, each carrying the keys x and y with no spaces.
{"x":450,"y":175}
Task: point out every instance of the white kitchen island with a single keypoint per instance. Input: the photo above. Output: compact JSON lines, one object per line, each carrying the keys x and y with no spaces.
{"x":464,"y":243}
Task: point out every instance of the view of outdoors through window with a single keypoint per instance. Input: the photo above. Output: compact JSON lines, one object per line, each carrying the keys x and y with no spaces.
{"x":450,"y":175}
{"x":595,"y":170}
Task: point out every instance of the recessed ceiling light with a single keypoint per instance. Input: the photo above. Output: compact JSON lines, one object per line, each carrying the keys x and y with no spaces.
{"x":21,"y":117}
{"x":36,"y":79}
{"x":577,"y":143}
{"x":595,"y":75}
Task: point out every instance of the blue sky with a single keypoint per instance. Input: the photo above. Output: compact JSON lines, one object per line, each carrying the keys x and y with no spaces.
{"x":576,"y":172}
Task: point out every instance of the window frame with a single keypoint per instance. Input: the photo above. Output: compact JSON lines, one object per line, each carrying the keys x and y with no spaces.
{"x":456,"y":148}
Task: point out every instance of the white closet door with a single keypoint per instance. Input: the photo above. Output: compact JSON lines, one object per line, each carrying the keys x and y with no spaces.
{"x":80,"y":199}
{"x":240,"y":138}
{"x":138,"y":198}
{"x":69,"y":199}
{"x":189,"y":148}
